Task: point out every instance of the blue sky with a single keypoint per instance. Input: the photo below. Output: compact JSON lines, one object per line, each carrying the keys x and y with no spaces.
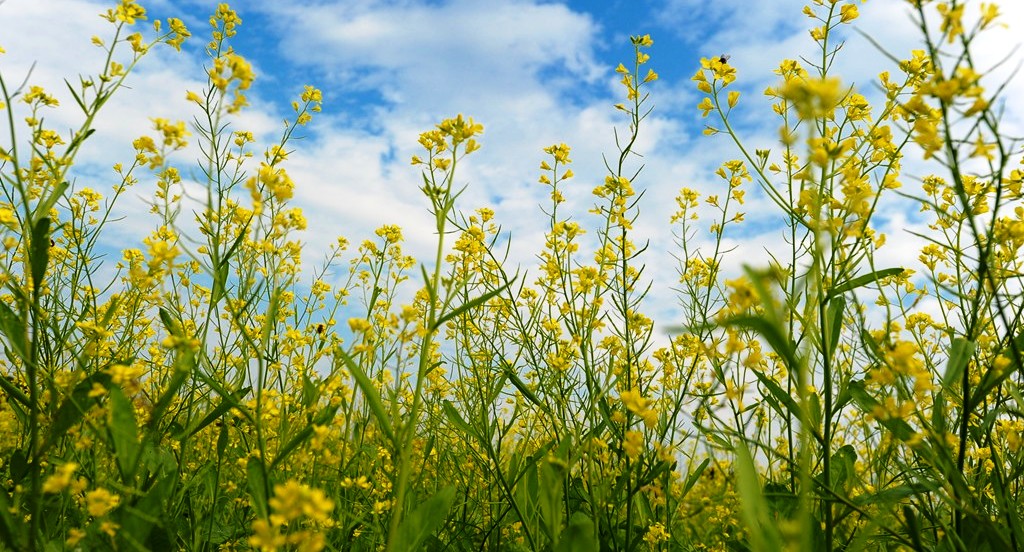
{"x":533,"y":72}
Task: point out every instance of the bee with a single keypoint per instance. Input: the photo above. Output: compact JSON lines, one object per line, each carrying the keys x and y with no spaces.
{"x":319,"y":328}
{"x":724,"y":58}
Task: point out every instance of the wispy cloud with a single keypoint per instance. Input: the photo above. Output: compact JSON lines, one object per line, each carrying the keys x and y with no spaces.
{"x":535,"y":73}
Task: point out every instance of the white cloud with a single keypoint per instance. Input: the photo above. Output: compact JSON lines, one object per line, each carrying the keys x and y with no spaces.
{"x":530,"y":72}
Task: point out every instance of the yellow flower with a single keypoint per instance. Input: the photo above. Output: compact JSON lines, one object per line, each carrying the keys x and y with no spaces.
{"x":294,"y":500}
{"x":989,"y":13}
{"x":633,"y":443}
{"x":742,"y":296}
{"x":38,"y":94}
{"x":656,"y":533}
{"x":734,"y":97}
{"x":127,"y":12}
{"x":100,"y":502}
{"x":75,"y":535}
{"x":560,"y":153}
{"x":643,"y":41}
{"x":848,"y":13}
{"x":632,"y":400}
{"x":178,"y":33}
{"x":174,"y":133}
{"x":60,"y":479}
{"x":813,"y":98}
{"x":952,"y":21}
{"x":266,"y":536}
{"x":705,"y":106}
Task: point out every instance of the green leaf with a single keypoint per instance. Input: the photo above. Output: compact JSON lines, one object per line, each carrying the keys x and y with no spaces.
{"x":73,"y":407}
{"x":429,"y":285}
{"x":310,"y":391}
{"x":520,"y":385}
{"x":324,"y":417}
{"x":40,"y":254}
{"x":899,"y":427}
{"x":111,"y":311}
{"x":12,"y":534}
{"x":990,"y":379}
{"x":779,"y":342}
{"x":814,"y":411}
{"x":456,"y":419}
{"x":424,"y":521}
{"x":694,"y":476}
{"x":222,"y":440}
{"x":913,"y":526}
{"x":13,"y":328}
{"x":77,"y":98}
{"x":552,"y":480}
{"x":578,"y":535}
{"x":960,"y":353}
{"x":468,"y":305}
{"x":763,"y":532}
{"x":14,"y":392}
{"x":223,"y":267}
{"x":18,"y":464}
{"x":842,"y":467}
{"x":759,"y":282}
{"x":169,"y":323}
{"x":860,"y":281}
{"x":272,"y":308}
{"x":140,"y":518}
{"x":179,"y":376}
{"x":370,"y":393}
{"x":226,"y":404}
{"x":894,"y":495}
{"x":256,"y":475}
{"x":527,"y":491}
{"x":835,"y":323}
{"x":124,"y":433}
{"x":46,"y":204}
{"x":939,"y":413}
{"x":872,"y":346}
{"x":779,"y":395}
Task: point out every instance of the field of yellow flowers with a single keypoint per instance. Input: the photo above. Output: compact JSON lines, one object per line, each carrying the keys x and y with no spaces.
{"x":206,"y":397}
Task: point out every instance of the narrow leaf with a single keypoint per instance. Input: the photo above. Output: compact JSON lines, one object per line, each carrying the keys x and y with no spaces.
{"x":77,"y":98}
{"x":861,"y":281}
{"x":960,"y":353}
{"x":256,"y":476}
{"x":694,"y":476}
{"x":371,"y":394}
{"x":424,"y":521}
{"x":13,"y":328}
{"x":578,"y":535}
{"x":782,"y":344}
{"x":40,"y":254}
{"x":73,"y":407}
{"x":124,"y":432}
{"x":455,"y":418}
{"x":762,"y":530}
{"x":521,"y":386}
{"x":468,"y":305}
{"x":835,"y":321}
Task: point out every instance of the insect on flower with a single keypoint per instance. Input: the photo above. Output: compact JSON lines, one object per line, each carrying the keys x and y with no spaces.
{"x":319,"y":328}
{"x":724,"y":58}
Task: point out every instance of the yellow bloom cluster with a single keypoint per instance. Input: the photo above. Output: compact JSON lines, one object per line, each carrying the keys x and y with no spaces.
{"x":639,"y":405}
{"x":294,"y":502}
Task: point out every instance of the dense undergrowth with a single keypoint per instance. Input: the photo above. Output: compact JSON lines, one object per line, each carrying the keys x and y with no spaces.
{"x":205,"y":399}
